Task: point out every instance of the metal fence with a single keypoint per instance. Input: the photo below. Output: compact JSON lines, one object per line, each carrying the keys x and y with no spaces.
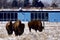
{"x":6,"y":16}
{"x":39,"y":16}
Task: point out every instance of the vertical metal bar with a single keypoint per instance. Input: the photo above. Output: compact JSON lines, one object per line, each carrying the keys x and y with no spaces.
{"x":44,"y":16}
{"x":44,"y":19}
{"x":6,"y":16}
{"x":34,"y":15}
{"x":10,"y":15}
{"x":37,"y":15}
{"x":41,"y":15}
{"x":14,"y":16}
{"x":3,"y":16}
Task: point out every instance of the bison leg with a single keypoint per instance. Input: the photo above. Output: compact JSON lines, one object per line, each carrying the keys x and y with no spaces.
{"x":35,"y":30}
{"x":29,"y":29}
{"x":16,"y":33}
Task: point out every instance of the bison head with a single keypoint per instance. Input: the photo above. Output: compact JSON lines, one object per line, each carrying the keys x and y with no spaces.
{"x":41,"y":28}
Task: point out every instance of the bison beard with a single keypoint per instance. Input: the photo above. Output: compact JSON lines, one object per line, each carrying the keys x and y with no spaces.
{"x":9,"y":28}
{"x":36,"y":25}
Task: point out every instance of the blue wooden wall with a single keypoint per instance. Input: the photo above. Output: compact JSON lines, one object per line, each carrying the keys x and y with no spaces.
{"x":24,"y":16}
{"x":52,"y":16}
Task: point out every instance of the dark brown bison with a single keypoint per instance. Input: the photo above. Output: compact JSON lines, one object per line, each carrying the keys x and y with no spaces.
{"x":36,"y":25}
{"x":18,"y":28}
{"x":9,"y":28}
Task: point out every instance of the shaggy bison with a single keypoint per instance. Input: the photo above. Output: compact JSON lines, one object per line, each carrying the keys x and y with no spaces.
{"x":18,"y":28}
{"x":36,"y":25}
{"x":9,"y":28}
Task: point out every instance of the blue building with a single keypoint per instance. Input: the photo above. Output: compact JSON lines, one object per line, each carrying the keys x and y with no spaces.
{"x":28,"y":16}
{"x":44,"y":16}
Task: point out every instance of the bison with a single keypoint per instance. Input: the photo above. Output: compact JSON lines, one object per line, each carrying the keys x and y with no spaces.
{"x":36,"y":25}
{"x":9,"y":28}
{"x":18,"y":28}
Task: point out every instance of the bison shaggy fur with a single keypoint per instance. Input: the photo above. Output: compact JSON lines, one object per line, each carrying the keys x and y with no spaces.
{"x":36,"y":25}
{"x":9,"y":28}
{"x":18,"y":28}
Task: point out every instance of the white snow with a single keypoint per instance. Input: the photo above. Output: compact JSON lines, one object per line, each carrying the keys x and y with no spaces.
{"x":50,"y":32}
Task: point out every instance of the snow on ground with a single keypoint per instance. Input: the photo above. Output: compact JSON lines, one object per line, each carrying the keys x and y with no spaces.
{"x":51,"y":32}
